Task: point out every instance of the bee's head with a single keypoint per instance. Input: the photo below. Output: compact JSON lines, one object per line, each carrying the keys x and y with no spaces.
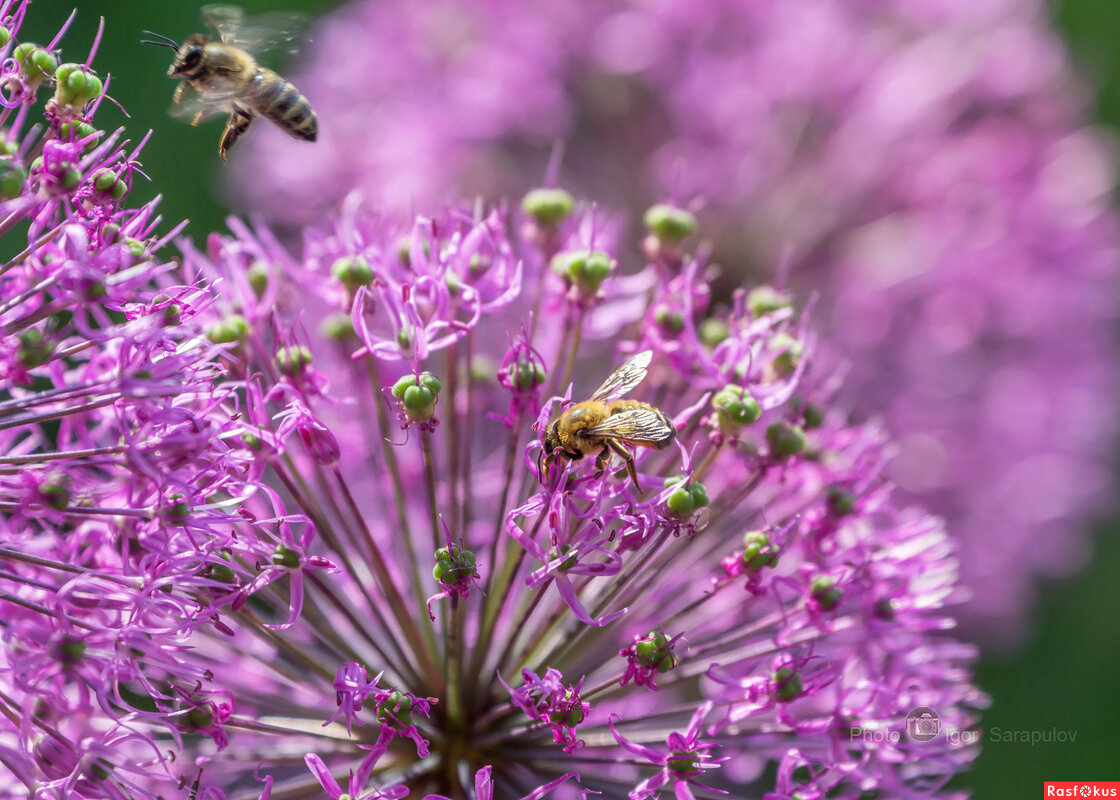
{"x":188,"y":58}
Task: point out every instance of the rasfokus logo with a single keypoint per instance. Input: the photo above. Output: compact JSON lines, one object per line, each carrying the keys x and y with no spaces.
{"x":1081,"y":789}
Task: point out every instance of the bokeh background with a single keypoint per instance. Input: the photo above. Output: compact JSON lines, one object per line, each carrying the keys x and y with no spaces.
{"x":1066,"y":676}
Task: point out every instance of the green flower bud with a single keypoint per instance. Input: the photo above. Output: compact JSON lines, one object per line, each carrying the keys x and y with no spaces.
{"x":70,"y":651}
{"x":759,"y":551}
{"x":71,"y":177}
{"x":259,"y":274}
{"x":785,"y":440}
{"x":524,"y":376}
{"x":5,"y":36}
{"x":785,"y":364}
{"x":567,"y":563}
{"x":713,"y":331}
{"x":419,"y":395}
{"x":75,"y":85}
{"x":824,"y":591}
{"x":74,"y":130}
{"x":234,"y":328}
{"x":178,"y":510}
{"x":34,"y":350}
{"x":670,"y":321}
{"x":396,"y":710}
{"x":574,"y":714}
{"x":735,"y":407}
{"x":198,"y":718}
{"x":766,"y":299}
{"x":338,"y":327}
{"x":55,"y":490}
{"x":787,"y":684}
{"x":108,"y":182}
{"x":841,"y":502}
{"x":670,"y":224}
{"x":683,"y":762}
{"x":884,"y":609}
{"x":547,"y":206}
{"x":454,"y":564}
{"x":585,"y":269}
{"x":285,"y":556}
{"x":12,"y":180}
{"x":352,"y":272}
{"x":812,"y":416}
{"x":293,"y":360}
{"x":680,"y":502}
{"x":252,"y":441}
{"x":656,"y":652}
{"x":36,"y":65}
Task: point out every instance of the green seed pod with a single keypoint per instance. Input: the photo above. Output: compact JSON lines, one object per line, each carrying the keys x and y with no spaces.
{"x":12,"y":180}
{"x":766,"y":299}
{"x":735,"y":407}
{"x":177,"y":511}
{"x":841,"y":502}
{"x":259,"y":274}
{"x":824,"y":591}
{"x":547,"y":206}
{"x":574,"y":714}
{"x":713,"y":331}
{"x":75,"y":85}
{"x":284,"y":556}
{"x":338,"y":327}
{"x":785,"y":440}
{"x":785,"y":364}
{"x":293,"y":360}
{"x":683,"y":762}
{"x":812,"y":416}
{"x":681,"y":503}
{"x":234,"y":328}
{"x":656,"y":652}
{"x":56,"y":491}
{"x":670,"y":224}
{"x":5,"y":36}
{"x":787,"y":684}
{"x":352,"y":272}
{"x":759,"y":551}
{"x":669,"y":321}
{"x":34,"y":350}
{"x":396,"y":710}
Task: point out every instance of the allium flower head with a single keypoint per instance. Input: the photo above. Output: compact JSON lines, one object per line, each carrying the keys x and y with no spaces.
{"x":919,"y":163}
{"x":280,"y":525}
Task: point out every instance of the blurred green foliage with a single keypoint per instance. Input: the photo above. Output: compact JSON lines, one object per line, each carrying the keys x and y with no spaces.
{"x":1066,"y":676}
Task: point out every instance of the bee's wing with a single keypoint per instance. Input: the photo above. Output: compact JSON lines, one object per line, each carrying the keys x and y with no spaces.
{"x":223,"y":21}
{"x":641,"y":425}
{"x":625,"y":378}
{"x":276,"y":32}
{"x":200,"y":105}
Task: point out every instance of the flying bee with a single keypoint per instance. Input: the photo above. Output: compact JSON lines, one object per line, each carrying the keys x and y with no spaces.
{"x":602,"y":425}
{"x":227,"y":78}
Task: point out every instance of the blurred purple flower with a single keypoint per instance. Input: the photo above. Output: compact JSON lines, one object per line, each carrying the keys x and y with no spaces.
{"x":922,"y":164}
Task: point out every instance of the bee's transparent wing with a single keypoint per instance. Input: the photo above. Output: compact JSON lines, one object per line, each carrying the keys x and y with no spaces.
{"x":201,"y":105}
{"x":277,"y":32}
{"x":223,"y":21}
{"x":625,"y":378}
{"x":639,"y":425}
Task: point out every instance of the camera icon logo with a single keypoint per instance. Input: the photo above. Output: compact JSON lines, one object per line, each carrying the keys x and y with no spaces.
{"x":922,"y":724}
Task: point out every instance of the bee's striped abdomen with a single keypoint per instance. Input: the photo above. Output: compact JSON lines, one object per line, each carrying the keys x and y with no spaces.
{"x":280,"y":102}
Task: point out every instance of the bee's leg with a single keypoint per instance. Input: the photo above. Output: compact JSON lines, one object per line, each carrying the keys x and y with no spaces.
{"x":239,"y":122}
{"x":178,"y":96}
{"x":604,"y":457}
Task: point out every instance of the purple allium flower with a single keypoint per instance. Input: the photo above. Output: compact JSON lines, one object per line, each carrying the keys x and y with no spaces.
{"x":922,"y":164}
{"x":235,"y":483}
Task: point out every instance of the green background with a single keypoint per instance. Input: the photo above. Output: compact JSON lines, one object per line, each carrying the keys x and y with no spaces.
{"x":1067,"y":676}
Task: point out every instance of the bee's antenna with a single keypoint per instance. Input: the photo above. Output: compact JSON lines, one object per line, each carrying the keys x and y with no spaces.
{"x":159,"y":40}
